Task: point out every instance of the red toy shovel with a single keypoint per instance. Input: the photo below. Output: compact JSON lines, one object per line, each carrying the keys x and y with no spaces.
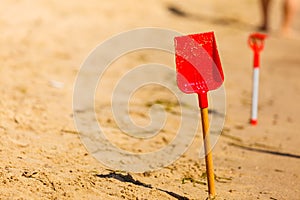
{"x":256,"y":43}
{"x":199,"y":71}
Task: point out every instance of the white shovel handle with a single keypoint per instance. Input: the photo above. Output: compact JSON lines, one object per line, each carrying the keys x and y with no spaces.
{"x":255,"y":96}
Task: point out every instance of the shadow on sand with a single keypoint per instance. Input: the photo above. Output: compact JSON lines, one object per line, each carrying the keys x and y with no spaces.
{"x":225,"y":21}
{"x":129,"y":179}
{"x":265,"y":151}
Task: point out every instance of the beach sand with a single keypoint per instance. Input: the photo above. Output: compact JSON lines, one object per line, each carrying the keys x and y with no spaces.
{"x":42,"y":47}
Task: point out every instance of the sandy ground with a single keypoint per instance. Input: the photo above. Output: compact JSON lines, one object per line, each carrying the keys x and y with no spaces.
{"x":42,"y":46}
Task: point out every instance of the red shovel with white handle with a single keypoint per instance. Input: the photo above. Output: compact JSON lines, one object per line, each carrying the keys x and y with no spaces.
{"x":256,"y":42}
{"x":199,"y":71}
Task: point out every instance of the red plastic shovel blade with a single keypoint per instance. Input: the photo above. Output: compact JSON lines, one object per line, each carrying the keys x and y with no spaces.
{"x":256,"y":41}
{"x":198,"y":63}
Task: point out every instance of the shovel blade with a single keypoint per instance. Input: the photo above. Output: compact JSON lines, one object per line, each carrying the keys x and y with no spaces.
{"x":256,"y":41}
{"x":198,"y":63}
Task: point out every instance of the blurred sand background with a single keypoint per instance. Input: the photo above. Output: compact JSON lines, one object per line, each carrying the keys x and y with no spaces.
{"x":42,"y":46}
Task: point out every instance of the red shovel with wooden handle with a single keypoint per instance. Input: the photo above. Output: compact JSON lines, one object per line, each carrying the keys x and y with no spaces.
{"x":199,"y":70}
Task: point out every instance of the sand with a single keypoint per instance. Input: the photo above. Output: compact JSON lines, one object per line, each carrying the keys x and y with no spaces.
{"x":42,"y":47}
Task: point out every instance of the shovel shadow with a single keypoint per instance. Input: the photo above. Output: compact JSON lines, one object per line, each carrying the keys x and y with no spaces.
{"x":265,"y":151}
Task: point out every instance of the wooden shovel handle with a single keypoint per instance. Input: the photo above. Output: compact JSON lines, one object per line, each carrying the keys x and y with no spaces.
{"x":208,"y":154}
